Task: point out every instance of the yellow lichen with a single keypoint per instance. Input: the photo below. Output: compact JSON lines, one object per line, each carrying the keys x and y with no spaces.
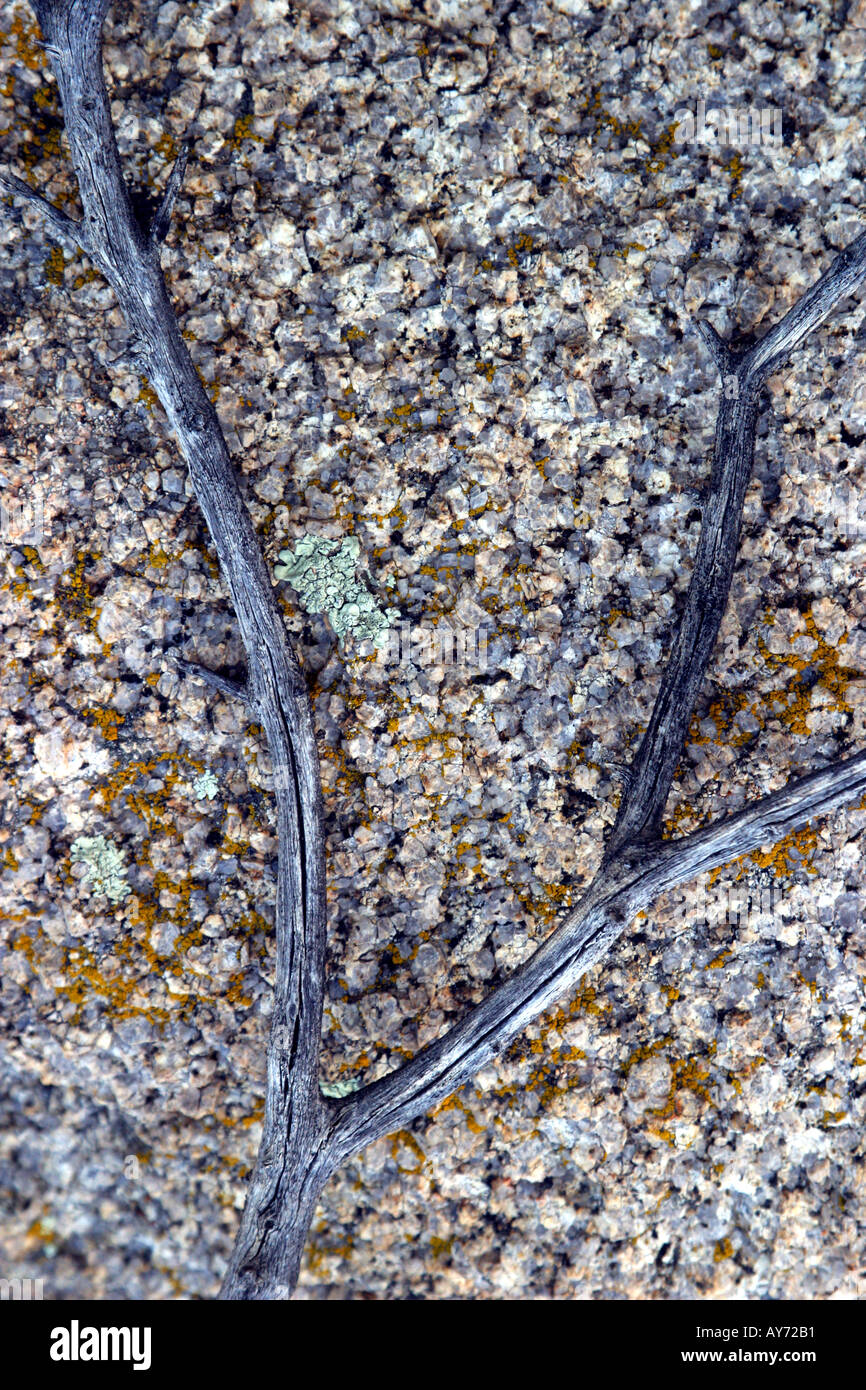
{"x":403,"y":1139}
{"x":54,"y":266}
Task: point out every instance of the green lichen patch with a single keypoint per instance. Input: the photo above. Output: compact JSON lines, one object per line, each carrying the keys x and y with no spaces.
{"x":338,"y":1089}
{"x":323,"y":573}
{"x":104,"y":862}
{"x":206,"y":785}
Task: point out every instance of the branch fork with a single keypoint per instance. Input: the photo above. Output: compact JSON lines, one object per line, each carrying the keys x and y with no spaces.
{"x":234,"y":690}
{"x":74,"y":234}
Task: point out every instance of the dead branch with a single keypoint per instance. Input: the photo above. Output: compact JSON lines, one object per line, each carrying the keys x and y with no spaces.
{"x":128,"y":256}
{"x":305,"y":1136}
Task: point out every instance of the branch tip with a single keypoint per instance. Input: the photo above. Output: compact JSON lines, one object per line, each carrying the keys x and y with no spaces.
{"x":722,"y":355}
{"x":161,"y":222}
{"x":238,"y":690}
{"x":57,"y":223}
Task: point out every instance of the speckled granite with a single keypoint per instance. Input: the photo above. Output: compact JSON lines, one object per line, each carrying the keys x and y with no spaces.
{"x":438,"y":265}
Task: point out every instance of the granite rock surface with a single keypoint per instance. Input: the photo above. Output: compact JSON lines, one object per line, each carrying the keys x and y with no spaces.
{"x":439,"y":267}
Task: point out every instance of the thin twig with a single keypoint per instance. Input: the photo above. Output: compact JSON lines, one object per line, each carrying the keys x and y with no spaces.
{"x":129,"y":258}
{"x":162,"y":217}
{"x":623,"y":888}
{"x":654,"y":766}
{"x":236,"y":690}
{"x":60,"y":225}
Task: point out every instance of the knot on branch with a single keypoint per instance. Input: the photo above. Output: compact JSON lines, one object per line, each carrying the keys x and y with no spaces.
{"x":193,"y":420}
{"x":623,"y":772}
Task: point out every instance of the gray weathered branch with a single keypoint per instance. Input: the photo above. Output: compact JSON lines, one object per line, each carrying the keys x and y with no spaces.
{"x":306,"y":1137}
{"x":162,"y":218}
{"x":128,"y":256}
{"x":638,"y":864}
{"x":235,"y":690}
{"x":60,"y":226}
{"x":624,"y":887}
{"x":640,"y":811}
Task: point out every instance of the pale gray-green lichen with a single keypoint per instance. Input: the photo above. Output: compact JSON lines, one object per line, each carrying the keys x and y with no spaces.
{"x":206,"y":785}
{"x":104,"y":863}
{"x":337,"y":1089}
{"x":323,"y":573}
